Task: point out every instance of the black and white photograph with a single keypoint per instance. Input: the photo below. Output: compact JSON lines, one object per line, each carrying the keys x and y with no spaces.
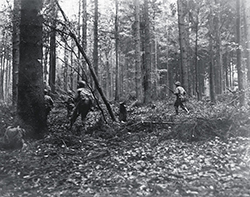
{"x":125,"y":98}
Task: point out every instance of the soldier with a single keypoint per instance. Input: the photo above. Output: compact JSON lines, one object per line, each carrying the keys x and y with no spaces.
{"x":49,"y":103}
{"x":180,"y":98}
{"x":83,"y":102}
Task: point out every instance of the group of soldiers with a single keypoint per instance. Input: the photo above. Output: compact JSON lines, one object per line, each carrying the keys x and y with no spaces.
{"x":82,"y":101}
{"x":78,"y":104}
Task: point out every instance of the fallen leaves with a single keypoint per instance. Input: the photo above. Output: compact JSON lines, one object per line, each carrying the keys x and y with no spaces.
{"x":131,"y":159}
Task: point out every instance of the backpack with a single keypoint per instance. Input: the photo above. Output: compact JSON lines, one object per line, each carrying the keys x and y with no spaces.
{"x":182,"y":96}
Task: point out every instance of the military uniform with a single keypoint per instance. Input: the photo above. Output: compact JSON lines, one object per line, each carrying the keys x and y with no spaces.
{"x":83,"y":102}
{"x":180,"y":98}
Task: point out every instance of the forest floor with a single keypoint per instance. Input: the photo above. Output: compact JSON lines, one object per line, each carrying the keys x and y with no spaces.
{"x":155,"y":153}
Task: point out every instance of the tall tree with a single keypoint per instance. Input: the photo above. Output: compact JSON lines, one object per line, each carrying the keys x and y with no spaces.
{"x":95,"y":50}
{"x":240,"y":66}
{"x":30,"y":104}
{"x":219,"y":77}
{"x":211,"y":56}
{"x":147,"y":56}
{"x":52,"y":59}
{"x":117,"y":79}
{"x":138,"y":66}
{"x":66,"y":65}
{"x":15,"y":52}
{"x":84,"y":30}
{"x":183,"y":39}
{"x":247,"y":27}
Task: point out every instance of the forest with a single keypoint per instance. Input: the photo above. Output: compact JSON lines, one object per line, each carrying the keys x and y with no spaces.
{"x":126,"y":136}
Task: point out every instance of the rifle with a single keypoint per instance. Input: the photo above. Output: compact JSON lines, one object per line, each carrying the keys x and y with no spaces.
{"x":170,"y":89}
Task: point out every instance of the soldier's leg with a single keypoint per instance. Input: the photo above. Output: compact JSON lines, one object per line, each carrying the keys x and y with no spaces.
{"x":85,"y":109}
{"x":184,"y":108}
{"x":176,"y":106}
{"x":74,"y":116}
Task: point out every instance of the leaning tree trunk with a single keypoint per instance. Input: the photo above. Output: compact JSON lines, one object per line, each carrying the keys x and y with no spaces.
{"x":30,"y":104}
{"x":91,"y":69}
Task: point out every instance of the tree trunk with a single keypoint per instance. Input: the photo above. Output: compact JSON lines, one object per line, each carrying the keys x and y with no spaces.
{"x":65,"y":70}
{"x":30,"y":104}
{"x":197,"y":73}
{"x":138,"y":66}
{"x":15,"y":51}
{"x":247,"y":26}
{"x":72,"y":71}
{"x":84,"y":32}
{"x":95,"y":50}
{"x":147,"y":57}
{"x":240,"y":66}
{"x":219,"y":77}
{"x":117,"y":79}
{"x":79,"y":38}
{"x":2,"y":58}
{"x":211,"y":57}
{"x":183,"y":42}
{"x":52,"y":62}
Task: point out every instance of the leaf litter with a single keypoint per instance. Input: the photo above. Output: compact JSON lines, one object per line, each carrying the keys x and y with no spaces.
{"x":150,"y":155}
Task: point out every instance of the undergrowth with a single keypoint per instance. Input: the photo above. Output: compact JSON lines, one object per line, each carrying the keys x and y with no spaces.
{"x":145,"y":156}
{"x":203,"y":123}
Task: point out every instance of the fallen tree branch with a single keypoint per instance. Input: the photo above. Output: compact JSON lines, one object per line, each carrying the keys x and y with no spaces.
{"x":92,"y":72}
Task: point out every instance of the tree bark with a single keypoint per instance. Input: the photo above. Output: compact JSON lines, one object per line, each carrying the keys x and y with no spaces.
{"x":247,"y":19}
{"x":65,"y":70}
{"x":219,"y":77}
{"x":240,"y":66}
{"x":84,"y":31}
{"x":138,"y":66}
{"x":30,"y":104}
{"x":117,"y":79}
{"x":95,"y":50}
{"x":52,"y":60}
{"x":183,"y":42}
{"x":15,"y":51}
{"x":211,"y":56}
{"x":147,"y":58}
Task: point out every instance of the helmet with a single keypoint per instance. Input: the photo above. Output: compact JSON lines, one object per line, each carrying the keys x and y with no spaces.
{"x":81,"y":84}
{"x":177,"y":83}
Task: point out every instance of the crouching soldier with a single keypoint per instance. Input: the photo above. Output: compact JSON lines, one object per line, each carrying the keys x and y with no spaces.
{"x":49,"y":103}
{"x":83,"y":102}
{"x":13,"y":138}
